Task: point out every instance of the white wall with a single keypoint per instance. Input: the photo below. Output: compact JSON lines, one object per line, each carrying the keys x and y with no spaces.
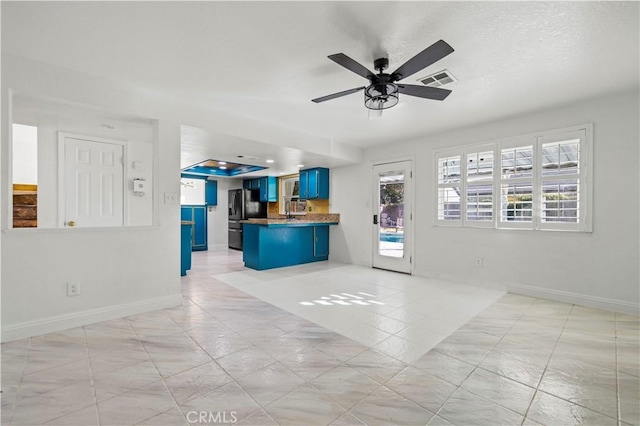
{"x":120,"y":271}
{"x":597,"y":269}
{"x":138,"y":149}
{"x":139,"y":158}
{"x":51,"y":118}
{"x":351,"y":194}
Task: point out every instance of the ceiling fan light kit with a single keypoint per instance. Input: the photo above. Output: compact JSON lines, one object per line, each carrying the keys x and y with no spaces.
{"x":383,"y":92}
{"x":381,"y":96}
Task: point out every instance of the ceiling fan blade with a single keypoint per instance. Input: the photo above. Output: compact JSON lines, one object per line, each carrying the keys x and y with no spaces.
{"x":351,"y":65}
{"x":337,"y":95}
{"x":424,"y":91}
{"x":428,"y":56}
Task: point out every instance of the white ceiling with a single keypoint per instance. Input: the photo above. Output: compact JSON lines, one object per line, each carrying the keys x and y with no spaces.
{"x":199,"y":144}
{"x":267,"y":60}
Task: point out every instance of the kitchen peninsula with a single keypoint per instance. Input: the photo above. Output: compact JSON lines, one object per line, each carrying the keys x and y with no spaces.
{"x":276,"y":242}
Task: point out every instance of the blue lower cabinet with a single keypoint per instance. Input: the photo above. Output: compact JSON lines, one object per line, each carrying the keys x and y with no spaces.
{"x":267,"y":247}
{"x":199,"y":228}
{"x":197,"y":215}
{"x":185,"y":248}
{"x":320,"y":241}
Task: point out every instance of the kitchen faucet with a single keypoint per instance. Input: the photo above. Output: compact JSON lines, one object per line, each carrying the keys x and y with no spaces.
{"x":287,"y":209}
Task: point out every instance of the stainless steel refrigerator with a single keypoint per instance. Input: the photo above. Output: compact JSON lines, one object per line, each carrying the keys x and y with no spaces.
{"x":243,"y":204}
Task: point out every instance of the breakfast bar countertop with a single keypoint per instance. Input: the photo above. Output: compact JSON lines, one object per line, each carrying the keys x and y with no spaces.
{"x":301,"y":220}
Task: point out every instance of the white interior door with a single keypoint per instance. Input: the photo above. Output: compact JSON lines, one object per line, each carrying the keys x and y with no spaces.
{"x":392,"y":216}
{"x":93,"y":195}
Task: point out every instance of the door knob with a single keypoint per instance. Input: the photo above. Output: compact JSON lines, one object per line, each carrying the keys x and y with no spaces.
{"x":71,"y":223}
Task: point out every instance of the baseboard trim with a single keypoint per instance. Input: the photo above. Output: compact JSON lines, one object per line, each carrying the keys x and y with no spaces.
{"x":615,"y":305}
{"x":218,"y":245}
{"x":78,"y":319}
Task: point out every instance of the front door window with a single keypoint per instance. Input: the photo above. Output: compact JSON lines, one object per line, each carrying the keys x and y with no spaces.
{"x":391,"y":222}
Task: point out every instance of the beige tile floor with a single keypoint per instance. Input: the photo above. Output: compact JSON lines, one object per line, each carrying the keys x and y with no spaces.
{"x":226,"y":356}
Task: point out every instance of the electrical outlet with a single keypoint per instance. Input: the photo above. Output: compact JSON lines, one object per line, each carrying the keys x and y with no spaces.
{"x":477,"y":262}
{"x":171,"y":198}
{"x":73,"y":289}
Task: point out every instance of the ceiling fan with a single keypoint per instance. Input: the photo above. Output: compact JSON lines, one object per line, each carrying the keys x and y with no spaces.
{"x":383,"y":90}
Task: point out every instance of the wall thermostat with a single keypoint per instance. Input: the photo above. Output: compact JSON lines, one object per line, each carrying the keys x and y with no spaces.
{"x":139,"y":187}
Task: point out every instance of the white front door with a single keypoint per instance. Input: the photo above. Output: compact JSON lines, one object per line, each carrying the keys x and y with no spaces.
{"x":392,"y":216}
{"x":93,"y":183}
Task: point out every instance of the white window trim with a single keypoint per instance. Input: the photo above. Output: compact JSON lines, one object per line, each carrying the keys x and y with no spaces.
{"x":518,"y":142}
{"x":585,"y":176}
{"x":466,"y":183}
{"x":438,"y":156}
{"x":586,"y":150}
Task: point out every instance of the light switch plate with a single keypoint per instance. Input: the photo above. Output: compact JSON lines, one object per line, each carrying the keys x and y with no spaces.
{"x":171,"y":198}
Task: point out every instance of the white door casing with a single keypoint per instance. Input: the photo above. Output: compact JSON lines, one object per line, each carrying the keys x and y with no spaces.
{"x":92,"y":182}
{"x":393,"y":212}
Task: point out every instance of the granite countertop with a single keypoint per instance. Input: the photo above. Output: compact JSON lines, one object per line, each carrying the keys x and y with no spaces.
{"x":301,"y":220}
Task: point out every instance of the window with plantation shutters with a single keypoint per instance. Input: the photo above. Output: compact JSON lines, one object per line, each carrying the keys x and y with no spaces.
{"x":449,"y":189}
{"x":535,"y":182}
{"x":479,"y":186}
{"x":466,"y":187}
{"x":562,"y":177}
{"x":517,"y":177}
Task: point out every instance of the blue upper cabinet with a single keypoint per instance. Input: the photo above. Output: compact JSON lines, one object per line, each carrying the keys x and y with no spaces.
{"x":211,"y":193}
{"x":314,"y":184}
{"x":251,"y":183}
{"x":267,"y":185}
{"x":269,"y":189}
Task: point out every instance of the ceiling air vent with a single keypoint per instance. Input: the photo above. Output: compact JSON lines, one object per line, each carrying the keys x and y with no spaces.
{"x":439,"y":79}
